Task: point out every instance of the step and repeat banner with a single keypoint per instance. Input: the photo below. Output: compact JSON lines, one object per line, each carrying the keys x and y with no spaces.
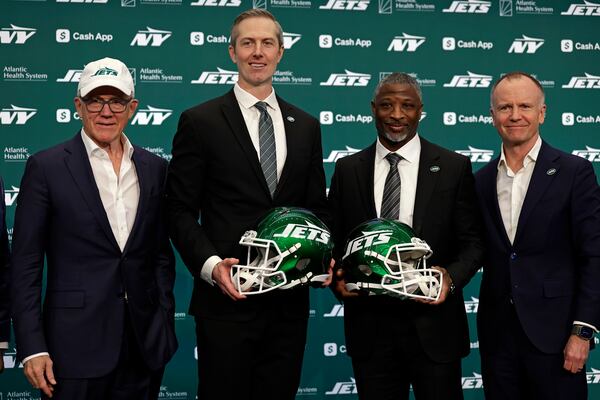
{"x":335,"y":53}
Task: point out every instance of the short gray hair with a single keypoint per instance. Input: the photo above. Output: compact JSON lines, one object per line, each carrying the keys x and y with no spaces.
{"x":399,"y":78}
{"x":517,"y":75}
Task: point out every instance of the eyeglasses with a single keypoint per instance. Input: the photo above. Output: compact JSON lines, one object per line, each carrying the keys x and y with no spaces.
{"x":115,"y":105}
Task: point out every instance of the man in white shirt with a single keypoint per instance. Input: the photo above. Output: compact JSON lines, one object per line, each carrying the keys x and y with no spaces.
{"x":395,"y":343}
{"x":539,"y":305}
{"x":92,"y":208}
{"x":219,"y":186}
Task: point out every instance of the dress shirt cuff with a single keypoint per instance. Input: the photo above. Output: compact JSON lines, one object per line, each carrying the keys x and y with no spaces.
{"x":34,"y":356}
{"x":585,"y":324}
{"x":3,"y":345}
{"x":207,"y":269}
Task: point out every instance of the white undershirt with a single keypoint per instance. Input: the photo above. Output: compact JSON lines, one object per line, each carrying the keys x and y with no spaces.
{"x":119,"y":194}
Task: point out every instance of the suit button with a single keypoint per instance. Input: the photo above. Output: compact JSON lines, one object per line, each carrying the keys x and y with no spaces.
{"x":513,"y":256}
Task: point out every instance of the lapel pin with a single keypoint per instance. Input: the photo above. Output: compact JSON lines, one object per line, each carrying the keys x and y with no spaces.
{"x":434,"y":168}
{"x":551,"y":171}
{"x":291,"y":119}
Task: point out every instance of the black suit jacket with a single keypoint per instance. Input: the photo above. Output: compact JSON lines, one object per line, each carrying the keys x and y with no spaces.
{"x":4,"y":254}
{"x":445,"y":216}
{"x":552,"y":269}
{"x":217,"y":191}
{"x":60,"y":218}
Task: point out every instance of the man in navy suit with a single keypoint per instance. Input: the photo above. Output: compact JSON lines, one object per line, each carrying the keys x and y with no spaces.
{"x":4,"y":309}
{"x":93,"y":208}
{"x":540,"y":292}
{"x":218,"y":188}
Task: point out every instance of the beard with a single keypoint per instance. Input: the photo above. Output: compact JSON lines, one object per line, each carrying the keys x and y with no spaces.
{"x":394,"y":138}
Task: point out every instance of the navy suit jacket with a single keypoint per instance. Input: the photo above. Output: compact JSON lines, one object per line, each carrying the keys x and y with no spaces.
{"x":4,"y":254}
{"x":552,"y":269}
{"x":215,"y":175}
{"x":445,"y":216}
{"x":60,"y":216}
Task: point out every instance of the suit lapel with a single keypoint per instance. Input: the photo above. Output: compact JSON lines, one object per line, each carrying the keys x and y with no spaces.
{"x":144,"y":180}
{"x":233,"y":115}
{"x":292,"y":135}
{"x":429,"y":170}
{"x":490,"y":197}
{"x":546,"y":169}
{"x":365,"y":176}
{"x":79,"y":167}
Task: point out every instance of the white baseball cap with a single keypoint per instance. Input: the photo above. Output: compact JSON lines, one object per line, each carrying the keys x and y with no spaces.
{"x":105,"y":72}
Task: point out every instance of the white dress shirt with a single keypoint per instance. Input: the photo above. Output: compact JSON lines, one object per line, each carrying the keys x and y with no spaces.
{"x":119,"y":194}
{"x":511,"y":188}
{"x":408,"y":167}
{"x":251,"y":115}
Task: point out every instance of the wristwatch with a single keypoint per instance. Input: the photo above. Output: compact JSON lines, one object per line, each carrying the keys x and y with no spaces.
{"x":582,"y":331}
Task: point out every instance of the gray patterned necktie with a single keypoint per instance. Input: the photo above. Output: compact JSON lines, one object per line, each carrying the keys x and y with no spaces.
{"x":266,"y":144}
{"x":390,"y":205}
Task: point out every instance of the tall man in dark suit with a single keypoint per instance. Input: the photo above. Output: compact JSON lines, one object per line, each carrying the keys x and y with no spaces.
{"x":540,"y":292}
{"x":235,"y":158}
{"x":93,"y":206}
{"x":4,"y":300}
{"x":395,"y":343}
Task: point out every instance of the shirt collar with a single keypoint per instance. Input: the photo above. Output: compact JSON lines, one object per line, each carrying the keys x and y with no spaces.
{"x":410,"y":151}
{"x":247,"y":100}
{"x":92,"y":148}
{"x":532,"y":156}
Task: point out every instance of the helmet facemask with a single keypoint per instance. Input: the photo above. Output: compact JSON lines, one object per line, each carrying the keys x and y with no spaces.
{"x":261,"y":273}
{"x":410,"y":276}
{"x":290,"y":248}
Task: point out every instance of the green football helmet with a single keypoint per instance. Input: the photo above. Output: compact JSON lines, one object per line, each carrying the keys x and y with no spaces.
{"x":383,"y":257}
{"x":290,"y":247}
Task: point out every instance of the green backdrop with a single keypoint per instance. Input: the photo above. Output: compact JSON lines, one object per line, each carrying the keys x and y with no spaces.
{"x":336,"y":52}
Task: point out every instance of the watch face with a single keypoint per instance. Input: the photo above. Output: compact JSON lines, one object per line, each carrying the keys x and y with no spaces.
{"x":586,"y":332}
